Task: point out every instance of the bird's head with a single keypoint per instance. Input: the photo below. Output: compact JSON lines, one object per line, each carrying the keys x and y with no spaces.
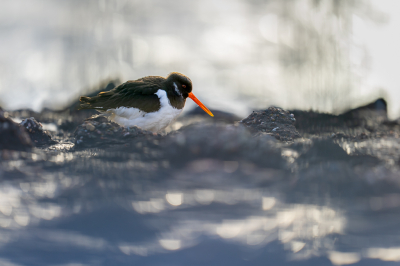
{"x":181,"y":86}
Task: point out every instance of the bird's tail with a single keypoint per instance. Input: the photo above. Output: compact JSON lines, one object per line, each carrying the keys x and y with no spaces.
{"x":96,"y":102}
{"x":86,"y":102}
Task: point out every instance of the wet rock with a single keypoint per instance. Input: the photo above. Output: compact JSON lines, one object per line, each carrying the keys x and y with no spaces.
{"x":228,"y":143}
{"x":35,"y":130}
{"x":356,"y":124}
{"x":97,"y":131}
{"x":273,"y":121}
{"x":12,"y":135}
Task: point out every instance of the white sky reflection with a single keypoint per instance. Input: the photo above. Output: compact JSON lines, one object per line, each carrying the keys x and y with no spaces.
{"x":304,"y":230}
{"x":298,"y":226}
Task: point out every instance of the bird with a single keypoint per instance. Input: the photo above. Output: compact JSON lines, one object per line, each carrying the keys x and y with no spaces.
{"x":151,"y":103}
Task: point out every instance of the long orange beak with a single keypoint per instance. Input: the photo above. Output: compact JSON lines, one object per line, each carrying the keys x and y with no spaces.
{"x":191,"y":96}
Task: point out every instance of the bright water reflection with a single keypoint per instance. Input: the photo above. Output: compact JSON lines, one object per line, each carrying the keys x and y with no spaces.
{"x":146,"y":218}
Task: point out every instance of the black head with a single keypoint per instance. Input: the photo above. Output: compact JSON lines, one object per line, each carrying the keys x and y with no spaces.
{"x":178,"y":88}
{"x":178,"y":85}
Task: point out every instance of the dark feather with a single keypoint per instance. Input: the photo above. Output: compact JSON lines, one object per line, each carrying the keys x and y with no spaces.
{"x":134,"y":93}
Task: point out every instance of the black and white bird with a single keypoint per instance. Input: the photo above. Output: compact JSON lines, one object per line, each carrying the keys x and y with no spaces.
{"x":151,"y":103}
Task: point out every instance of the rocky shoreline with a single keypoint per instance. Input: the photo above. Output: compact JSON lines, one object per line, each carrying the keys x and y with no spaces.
{"x":85,"y":129}
{"x":271,"y":138}
{"x":77,"y":161}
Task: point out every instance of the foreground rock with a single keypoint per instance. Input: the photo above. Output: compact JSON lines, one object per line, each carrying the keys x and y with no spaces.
{"x":12,"y":135}
{"x":275,"y":122}
{"x":229,"y":143}
{"x":35,"y":130}
{"x":97,"y":131}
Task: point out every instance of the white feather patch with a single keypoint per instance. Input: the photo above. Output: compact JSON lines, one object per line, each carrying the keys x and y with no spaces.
{"x":154,"y":121}
{"x":176,"y":89}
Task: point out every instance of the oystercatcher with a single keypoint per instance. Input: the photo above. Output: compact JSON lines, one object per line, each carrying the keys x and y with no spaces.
{"x":151,"y":103}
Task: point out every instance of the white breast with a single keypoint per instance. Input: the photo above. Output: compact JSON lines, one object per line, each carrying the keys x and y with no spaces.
{"x":155,"y":121}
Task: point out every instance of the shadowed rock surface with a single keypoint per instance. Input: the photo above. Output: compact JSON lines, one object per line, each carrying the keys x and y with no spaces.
{"x":273,"y":121}
{"x":13,"y":136}
{"x":35,"y":130}
{"x":360,"y":123}
{"x":98,"y":131}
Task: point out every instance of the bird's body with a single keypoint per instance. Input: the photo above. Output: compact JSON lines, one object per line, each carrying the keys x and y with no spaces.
{"x":152,"y":121}
{"x":151,"y":103}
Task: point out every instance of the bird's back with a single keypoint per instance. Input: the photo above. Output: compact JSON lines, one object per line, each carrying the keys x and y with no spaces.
{"x":138,"y":93}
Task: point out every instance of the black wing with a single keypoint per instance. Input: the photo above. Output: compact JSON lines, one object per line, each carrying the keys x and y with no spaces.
{"x":134,"y":93}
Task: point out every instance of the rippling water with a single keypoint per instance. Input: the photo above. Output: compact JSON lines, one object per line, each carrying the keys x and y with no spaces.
{"x":96,"y":207}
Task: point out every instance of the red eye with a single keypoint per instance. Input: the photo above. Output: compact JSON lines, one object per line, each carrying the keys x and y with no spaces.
{"x":184,"y":86}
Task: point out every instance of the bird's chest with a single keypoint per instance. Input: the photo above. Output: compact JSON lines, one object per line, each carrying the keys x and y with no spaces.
{"x":163,"y":117}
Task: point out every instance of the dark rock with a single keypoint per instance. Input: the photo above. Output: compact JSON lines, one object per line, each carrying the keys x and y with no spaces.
{"x":230,"y":143}
{"x":35,"y":130}
{"x":12,"y":135}
{"x":376,"y":111}
{"x":365,"y":120}
{"x":275,"y":122}
{"x":97,"y":131}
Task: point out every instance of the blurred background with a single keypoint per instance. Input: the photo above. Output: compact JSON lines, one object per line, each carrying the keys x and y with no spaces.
{"x":326,"y":55}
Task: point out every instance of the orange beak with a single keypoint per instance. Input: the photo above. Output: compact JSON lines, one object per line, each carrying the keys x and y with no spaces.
{"x":191,"y":96}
